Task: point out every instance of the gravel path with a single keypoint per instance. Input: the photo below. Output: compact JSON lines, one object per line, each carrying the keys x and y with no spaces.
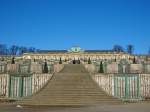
{"x":132,"y":107}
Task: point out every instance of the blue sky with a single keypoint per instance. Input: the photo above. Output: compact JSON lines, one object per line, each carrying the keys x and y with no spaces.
{"x":60,"y":24}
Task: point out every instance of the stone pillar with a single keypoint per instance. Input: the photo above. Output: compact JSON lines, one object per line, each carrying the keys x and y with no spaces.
{"x":124,"y":68}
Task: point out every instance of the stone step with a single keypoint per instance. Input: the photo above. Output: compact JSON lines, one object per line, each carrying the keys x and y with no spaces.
{"x":72,"y":100}
{"x":72,"y":93}
{"x":73,"y":89}
{"x":62,"y":102}
{"x":96,"y":98}
{"x":72,"y":86}
{"x":77,"y":95}
{"x":69,"y":103}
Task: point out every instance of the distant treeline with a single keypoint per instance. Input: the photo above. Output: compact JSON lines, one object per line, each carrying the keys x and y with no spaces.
{"x":19,"y":50}
{"x":129,"y":49}
{"x":15,"y":49}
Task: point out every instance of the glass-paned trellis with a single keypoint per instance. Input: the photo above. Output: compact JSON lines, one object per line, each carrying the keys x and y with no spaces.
{"x":50,"y":68}
{"x":20,"y":86}
{"x":127,"y":86}
{"x":2,"y":68}
{"x":24,"y":68}
{"x":4,"y":78}
{"x":120,"y":68}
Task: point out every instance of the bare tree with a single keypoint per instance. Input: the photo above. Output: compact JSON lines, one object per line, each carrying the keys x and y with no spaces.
{"x":3,"y":49}
{"x":23,"y":50}
{"x":31,"y":49}
{"x":118,"y":48}
{"x":14,"y":49}
{"x":149,"y":51}
{"x":130,"y":49}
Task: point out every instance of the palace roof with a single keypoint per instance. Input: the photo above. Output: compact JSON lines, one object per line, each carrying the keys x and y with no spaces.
{"x":76,"y":49}
{"x":65,"y":51}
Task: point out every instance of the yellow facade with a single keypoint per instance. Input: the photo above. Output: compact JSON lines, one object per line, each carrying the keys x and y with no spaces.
{"x":76,"y":53}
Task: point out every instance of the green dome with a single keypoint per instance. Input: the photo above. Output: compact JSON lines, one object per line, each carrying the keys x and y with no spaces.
{"x":75,"y":49}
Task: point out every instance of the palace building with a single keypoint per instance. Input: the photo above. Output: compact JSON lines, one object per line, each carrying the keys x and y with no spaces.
{"x":77,"y":53}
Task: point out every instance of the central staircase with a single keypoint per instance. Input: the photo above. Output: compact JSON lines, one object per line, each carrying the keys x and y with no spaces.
{"x":72,"y":86}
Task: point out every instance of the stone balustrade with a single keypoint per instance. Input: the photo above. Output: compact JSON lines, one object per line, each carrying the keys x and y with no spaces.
{"x":22,"y":86}
{"x":4,"y":85}
{"x":126,"y":87}
{"x":111,"y":68}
